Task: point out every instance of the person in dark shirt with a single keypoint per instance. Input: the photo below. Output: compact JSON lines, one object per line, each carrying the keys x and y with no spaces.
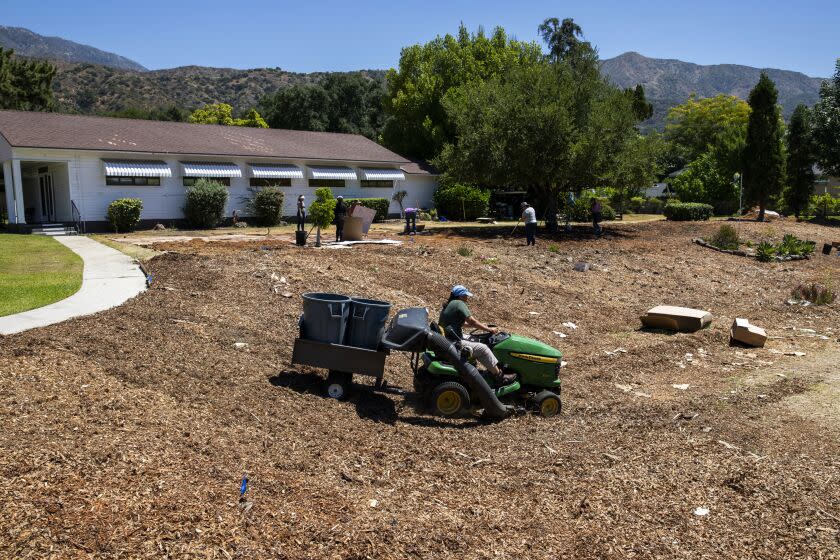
{"x":456,"y":314}
{"x":340,"y":214}
{"x":596,"y":216}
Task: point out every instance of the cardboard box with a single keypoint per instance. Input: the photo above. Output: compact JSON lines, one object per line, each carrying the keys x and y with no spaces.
{"x":743,"y":331}
{"x":682,"y":319}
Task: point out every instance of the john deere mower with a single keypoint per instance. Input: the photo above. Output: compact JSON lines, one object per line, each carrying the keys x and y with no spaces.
{"x":536,"y":366}
{"x":444,"y":373}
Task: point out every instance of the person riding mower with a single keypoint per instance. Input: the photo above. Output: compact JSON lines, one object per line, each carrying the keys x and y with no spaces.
{"x":454,"y":315}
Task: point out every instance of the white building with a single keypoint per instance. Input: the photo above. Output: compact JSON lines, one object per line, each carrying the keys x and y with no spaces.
{"x":68,"y":168}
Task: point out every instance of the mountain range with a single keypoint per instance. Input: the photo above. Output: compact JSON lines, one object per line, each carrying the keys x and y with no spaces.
{"x":90,"y":80}
{"x":670,"y":82}
{"x":30,"y":44}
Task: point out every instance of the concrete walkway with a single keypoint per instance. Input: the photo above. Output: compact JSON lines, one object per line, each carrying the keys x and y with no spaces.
{"x":109,"y":279}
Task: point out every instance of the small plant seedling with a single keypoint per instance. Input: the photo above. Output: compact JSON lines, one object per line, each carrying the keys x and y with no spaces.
{"x":553,"y":248}
{"x":464,"y":251}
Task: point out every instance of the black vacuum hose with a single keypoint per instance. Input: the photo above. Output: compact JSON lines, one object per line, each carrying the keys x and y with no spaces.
{"x":447,"y":351}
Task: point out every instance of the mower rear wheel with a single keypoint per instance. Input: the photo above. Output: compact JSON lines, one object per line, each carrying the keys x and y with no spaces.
{"x":548,"y":404}
{"x":338,"y":384}
{"x":450,"y":398}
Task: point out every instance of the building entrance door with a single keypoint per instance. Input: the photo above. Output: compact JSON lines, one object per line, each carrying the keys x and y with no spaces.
{"x":45,"y":182}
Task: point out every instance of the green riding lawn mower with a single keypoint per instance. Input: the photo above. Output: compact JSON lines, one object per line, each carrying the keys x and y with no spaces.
{"x":349,"y":336}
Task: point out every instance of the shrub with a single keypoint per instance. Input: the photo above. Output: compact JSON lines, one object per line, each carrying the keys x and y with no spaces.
{"x":765,"y":252}
{"x":687,"y":211}
{"x":824,"y":205}
{"x":124,"y":213}
{"x":580,"y":211}
{"x":725,"y":238}
{"x":266,"y":205}
{"x":457,"y":202}
{"x":205,"y":204}
{"x":793,"y":246}
{"x":464,"y":251}
{"x":379,"y":204}
{"x":641,"y":205}
{"x":815,"y":293}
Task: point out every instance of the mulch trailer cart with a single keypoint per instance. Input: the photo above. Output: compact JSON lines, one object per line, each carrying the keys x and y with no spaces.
{"x":348,"y":336}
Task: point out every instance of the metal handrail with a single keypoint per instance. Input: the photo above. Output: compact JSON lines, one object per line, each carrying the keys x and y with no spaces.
{"x":77,"y":217}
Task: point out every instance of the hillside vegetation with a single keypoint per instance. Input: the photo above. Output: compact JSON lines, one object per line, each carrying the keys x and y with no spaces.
{"x":90,"y":88}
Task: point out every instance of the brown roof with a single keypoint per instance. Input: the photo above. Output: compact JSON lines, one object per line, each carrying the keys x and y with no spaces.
{"x":24,"y":129}
{"x":419,"y":167}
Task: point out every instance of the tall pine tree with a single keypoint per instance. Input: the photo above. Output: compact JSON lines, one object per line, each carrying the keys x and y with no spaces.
{"x":800,"y":161}
{"x":25,"y":85}
{"x":826,"y":124}
{"x":763,"y":159}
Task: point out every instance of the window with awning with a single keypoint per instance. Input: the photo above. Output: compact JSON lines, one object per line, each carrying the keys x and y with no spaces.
{"x":211,"y":169}
{"x":332,"y":173}
{"x":271,"y":171}
{"x":129,"y":168}
{"x":371,"y":174}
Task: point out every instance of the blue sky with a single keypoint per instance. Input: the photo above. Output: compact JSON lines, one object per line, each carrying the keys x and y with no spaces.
{"x":314,"y":35}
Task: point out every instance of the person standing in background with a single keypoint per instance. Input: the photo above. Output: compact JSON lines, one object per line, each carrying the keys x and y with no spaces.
{"x":529,"y":216}
{"x":301,"y":213}
{"x":596,"y":216}
{"x":340,"y":214}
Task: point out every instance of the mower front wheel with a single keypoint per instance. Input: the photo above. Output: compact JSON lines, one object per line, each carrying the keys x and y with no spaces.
{"x":338,"y":384}
{"x":548,"y":403}
{"x":450,"y":398}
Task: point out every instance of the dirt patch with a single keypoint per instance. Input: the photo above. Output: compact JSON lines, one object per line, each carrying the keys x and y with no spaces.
{"x":128,"y":433}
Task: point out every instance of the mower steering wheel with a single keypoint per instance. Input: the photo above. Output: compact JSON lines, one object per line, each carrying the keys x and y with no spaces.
{"x":477,"y":331}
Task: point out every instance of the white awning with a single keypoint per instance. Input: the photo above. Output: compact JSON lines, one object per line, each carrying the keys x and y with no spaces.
{"x":267,"y":171}
{"x":128,"y":168}
{"x":343,"y":173}
{"x":210,"y":169}
{"x":382,"y":174}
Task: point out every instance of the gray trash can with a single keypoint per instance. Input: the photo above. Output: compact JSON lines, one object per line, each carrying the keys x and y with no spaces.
{"x":367,"y":322}
{"x":325,"y":317}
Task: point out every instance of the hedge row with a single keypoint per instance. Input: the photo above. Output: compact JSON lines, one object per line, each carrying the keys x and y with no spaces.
{"x":379,"y":204}
{"x":461,"y":202}
{"x":687,"y":211}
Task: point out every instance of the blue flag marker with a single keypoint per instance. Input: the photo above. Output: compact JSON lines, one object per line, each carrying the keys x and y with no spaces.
{"x":244,"y":486}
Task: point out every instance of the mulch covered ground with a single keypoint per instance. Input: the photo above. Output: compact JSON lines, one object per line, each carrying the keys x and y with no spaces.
{"x":127,"y":434}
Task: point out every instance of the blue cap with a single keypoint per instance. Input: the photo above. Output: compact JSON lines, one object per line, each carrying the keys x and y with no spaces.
{"x":460,"y":290}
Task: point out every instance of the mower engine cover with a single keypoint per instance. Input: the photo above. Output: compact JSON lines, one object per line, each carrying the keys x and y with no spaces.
{"x":408,"y":330}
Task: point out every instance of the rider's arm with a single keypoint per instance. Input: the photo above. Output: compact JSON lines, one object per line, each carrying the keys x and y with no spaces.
{"x":473,"y":322}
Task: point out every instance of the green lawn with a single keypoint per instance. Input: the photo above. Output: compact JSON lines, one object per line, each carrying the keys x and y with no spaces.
{"x":35,"y":270}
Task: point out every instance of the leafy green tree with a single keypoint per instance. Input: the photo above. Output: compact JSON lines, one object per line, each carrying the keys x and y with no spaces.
{"x":25,"y":85}
{"x":322,"y":211}
{"x":641,"y":107}
{"x":763,"y":159}
{"x":563,"y":39}
{"x":222,"y":113}
{"x":800,"y":161}
{"x":707,"y":180}
{"x":697,"y":124}
{"x":547,"y":128}
{"x":634,"y":167}
{"x":418,"y":125}
{"x":826,"y":124}
{"x":349,"y":103}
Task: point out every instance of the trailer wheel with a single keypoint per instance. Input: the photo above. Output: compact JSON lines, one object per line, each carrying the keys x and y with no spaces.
{"x":450,"y":398}
{"x":548,"y":404}
{"x":338,"y":384}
